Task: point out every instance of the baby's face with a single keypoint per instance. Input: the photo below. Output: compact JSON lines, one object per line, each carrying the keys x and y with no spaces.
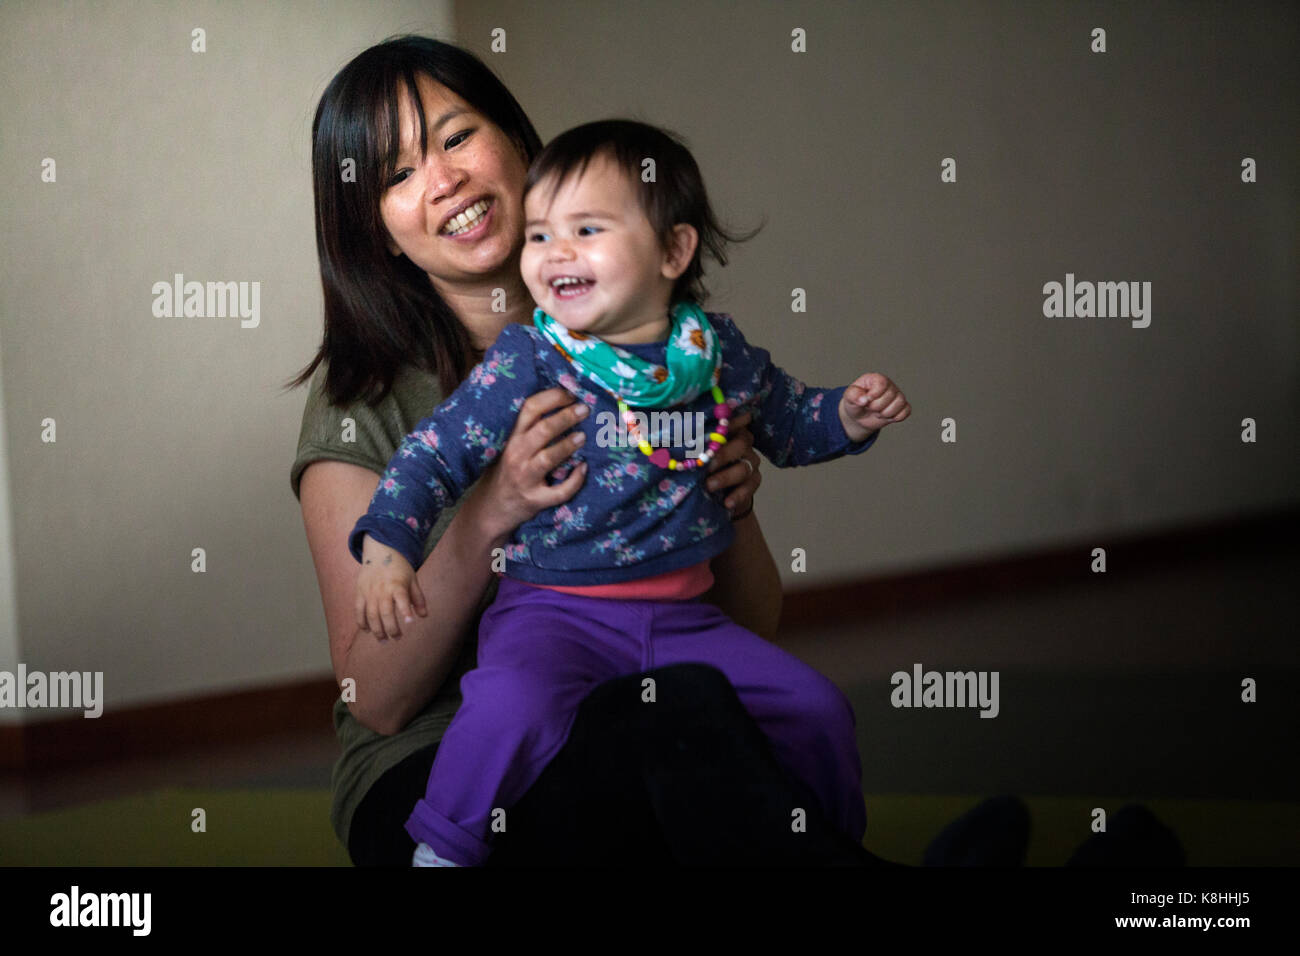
{"x":594,"y":231}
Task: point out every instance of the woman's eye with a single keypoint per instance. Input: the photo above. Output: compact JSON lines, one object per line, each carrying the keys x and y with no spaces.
{"x":456,"y":140}
{"x":400,"y":175}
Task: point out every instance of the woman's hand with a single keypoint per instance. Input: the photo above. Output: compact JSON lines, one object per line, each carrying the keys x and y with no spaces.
{"x":735,"y":468}
{"x":516,"y":484}
{"x":517,"y":487}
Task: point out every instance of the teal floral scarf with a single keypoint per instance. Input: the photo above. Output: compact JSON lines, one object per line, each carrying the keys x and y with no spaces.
{"x":694,"y":360}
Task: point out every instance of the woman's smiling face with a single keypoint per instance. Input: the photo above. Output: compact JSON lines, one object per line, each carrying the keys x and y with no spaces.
{"x":457,"y":212}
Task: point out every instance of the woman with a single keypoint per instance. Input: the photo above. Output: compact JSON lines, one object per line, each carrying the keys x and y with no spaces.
{"x":407,"y":136}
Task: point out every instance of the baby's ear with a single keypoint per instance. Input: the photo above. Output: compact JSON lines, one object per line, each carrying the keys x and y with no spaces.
{"x":680,"y":250}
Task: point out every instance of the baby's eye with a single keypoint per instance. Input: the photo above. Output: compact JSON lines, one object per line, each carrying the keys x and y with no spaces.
{"x":537,"y":235}
{"x":592,"y":228}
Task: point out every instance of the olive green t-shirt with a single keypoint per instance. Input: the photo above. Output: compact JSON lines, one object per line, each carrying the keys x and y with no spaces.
{"x":366,"y":755}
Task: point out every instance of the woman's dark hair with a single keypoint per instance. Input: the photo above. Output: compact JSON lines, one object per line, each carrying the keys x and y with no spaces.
{"x":675,"y":195}
{"x":381,"y":311}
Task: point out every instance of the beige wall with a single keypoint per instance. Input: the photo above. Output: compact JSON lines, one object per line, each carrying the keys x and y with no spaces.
{"x":1115,"y":166}
{"x":173,"y":434}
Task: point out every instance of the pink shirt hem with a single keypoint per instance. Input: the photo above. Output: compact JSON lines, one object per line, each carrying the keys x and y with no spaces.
{"x":680,"y":585}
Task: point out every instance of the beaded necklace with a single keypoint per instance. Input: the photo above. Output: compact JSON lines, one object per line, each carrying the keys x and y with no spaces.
{"x":694,"y":362}
{"x":717,"y":438}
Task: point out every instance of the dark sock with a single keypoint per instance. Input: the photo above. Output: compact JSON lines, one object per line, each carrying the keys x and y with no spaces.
{"x":1133,"y":837}
{"x":994,"y":833}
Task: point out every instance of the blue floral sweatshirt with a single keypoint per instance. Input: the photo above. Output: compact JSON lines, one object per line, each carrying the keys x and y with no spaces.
{"x":630,"y":519}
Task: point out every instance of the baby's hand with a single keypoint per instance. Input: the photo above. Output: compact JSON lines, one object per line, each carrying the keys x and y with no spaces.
{"x":871,"y":403}
{"x":386,"y":580}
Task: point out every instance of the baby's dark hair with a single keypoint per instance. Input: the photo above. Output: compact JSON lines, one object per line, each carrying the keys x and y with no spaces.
{"x":677,"y":194}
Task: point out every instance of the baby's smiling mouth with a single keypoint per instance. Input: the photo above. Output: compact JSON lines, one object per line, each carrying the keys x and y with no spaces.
{"x":570,"y":287}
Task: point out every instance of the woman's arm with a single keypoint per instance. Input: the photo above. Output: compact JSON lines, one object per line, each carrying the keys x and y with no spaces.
{"x":396,"y":677}
{"x":746,"y":584}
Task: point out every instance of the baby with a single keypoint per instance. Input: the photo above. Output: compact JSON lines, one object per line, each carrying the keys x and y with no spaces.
{"x":609,"y":583}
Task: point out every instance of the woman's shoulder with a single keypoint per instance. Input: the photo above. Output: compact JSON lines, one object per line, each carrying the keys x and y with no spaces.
{"x":413,"y":387}
{"x":357,"y":431}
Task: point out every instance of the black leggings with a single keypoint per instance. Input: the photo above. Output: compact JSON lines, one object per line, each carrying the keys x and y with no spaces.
{"x":690,"y":781}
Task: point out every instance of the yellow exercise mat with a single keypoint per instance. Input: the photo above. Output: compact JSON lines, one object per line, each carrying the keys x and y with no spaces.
{"x":1213,"y":832}
{"x":291,"y":828}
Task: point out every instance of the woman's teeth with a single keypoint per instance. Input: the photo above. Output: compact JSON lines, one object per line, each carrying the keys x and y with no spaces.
{"x":466,"y":220}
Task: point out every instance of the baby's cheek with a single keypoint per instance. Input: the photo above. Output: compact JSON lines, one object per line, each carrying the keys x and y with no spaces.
{"x":535,"y":288}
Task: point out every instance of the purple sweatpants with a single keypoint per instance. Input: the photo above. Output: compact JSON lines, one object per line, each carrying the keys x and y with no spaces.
{"x":541,"y":652}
